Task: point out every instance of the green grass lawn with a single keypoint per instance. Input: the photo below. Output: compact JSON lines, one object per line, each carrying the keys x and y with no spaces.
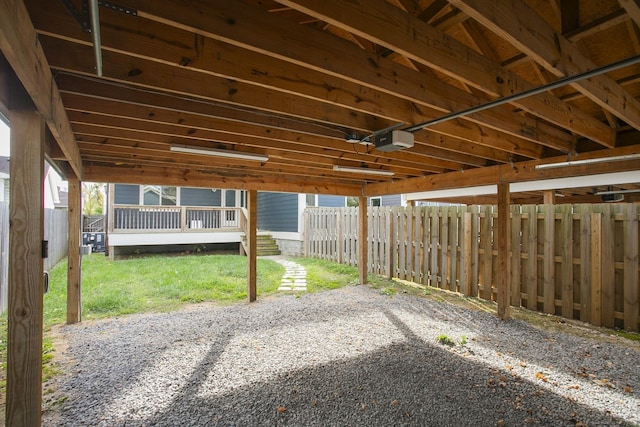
{"x":156,"y":283}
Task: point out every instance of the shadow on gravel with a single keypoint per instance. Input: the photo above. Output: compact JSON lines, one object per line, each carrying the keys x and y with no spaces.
{"x":406,"y":380}
{"x":412,"y":383}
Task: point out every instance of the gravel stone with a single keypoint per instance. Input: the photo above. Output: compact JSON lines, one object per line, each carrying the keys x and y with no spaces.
{"x":347,"y":357}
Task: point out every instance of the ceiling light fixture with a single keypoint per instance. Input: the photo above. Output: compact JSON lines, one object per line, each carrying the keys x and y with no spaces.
{"x":588,"y":161}
{"x":219,"y":153}
{"x":363,"y":170}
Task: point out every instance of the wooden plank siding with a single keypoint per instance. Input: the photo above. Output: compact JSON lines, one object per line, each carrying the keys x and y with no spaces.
{"x":577,"y":261}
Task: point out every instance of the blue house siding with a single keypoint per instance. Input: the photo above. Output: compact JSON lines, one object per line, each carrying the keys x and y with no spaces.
{"x":331,"y":201}
{"x":278,"y":211}
{"x":392,"y":200}
{"x":199,"y":197}
{"x":126,"y":194}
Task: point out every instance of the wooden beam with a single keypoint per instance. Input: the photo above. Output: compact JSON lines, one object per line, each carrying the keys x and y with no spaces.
{"x":477,"y":140}
{"x":363,"y":247}
{"x":169,"y":127}
{"x":365,"y":92}
{"x":253,"y":30}
{"x":19,"y":44}
{"x":195,"y":178}
{"x":519,"y":172}
{"x":531,"y":34}
{"x":633,"y":9}
{"x":26,"y":235}
{"x":503,"y":280}
{"x":379,"y":21}
{"x":74,"y":260}
{"x":251,"y":234}
{"x":549,"y":197}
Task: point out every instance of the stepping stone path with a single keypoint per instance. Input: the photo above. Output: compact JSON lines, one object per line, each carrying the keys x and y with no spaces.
{"x":295,"y":276}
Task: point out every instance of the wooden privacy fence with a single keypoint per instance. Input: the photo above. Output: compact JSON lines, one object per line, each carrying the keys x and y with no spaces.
{"x":578,"y":261}
{"x":56,"y":226}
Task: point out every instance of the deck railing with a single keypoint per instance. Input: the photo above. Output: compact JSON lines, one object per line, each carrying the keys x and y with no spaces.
{"x":175,"y":218}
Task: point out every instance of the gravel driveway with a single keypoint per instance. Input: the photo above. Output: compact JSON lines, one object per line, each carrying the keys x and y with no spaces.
{"x":346,"y":357}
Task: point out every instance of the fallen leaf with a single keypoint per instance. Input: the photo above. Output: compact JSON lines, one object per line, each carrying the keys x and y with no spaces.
{"x":501,"y":423}
{"x":395,"y":402}
{"x":541,"y":377}
{"x":575,"y":387}
{"x":282,"y":409}
{"x":628,"y":389}
{"x":363,"y":406}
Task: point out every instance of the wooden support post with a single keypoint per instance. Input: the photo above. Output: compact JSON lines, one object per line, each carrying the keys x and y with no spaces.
{"x":26,"y":234}
{"x":74,"y":264}
{"x":362,"y":239}
{"x":252,"y":233}
{"x":549,"y":197}
{"x":504,"y":242}
{"x":111,"y":197}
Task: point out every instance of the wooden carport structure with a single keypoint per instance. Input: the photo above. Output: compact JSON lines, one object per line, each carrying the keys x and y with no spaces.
{"x":110,"y":91}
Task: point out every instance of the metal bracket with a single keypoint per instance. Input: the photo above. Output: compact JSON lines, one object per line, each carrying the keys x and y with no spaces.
{"x":118,"y":8}
{"x":82,"y":16}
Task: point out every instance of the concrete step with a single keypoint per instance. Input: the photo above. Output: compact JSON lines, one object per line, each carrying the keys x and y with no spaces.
{"x":266,"y":245}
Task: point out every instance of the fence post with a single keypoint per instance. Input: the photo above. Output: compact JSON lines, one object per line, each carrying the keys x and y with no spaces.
{"x":608,"y":284}
{"x":465,"y":255}
{"x":596,"y":269}
{"x":487,"y":256}
{"x":435,"y":240}
{"x":630,"y":268}
{"x":516,"y":259}
{"x":549,"y":280}
{"x":566,"y":242}
{"x":362,"y":239}
{"x":585,"y":262}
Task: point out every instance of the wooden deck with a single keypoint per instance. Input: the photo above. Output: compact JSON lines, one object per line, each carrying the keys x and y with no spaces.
{"x":133,"y":225}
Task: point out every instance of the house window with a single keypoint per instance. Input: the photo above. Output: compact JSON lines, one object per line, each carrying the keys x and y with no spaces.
{"x":157,"y":195}
{"x":375,"y":201}
{"x":311,"y":200}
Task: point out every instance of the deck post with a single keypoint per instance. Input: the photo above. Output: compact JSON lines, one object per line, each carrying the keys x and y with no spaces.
{"x":363,"y":232}
{"x":26,"y":235}
{"x":111,"y":201}
{"x":74,"y":265}
{"x":504,"y":242}
{"x":252,"y":232}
